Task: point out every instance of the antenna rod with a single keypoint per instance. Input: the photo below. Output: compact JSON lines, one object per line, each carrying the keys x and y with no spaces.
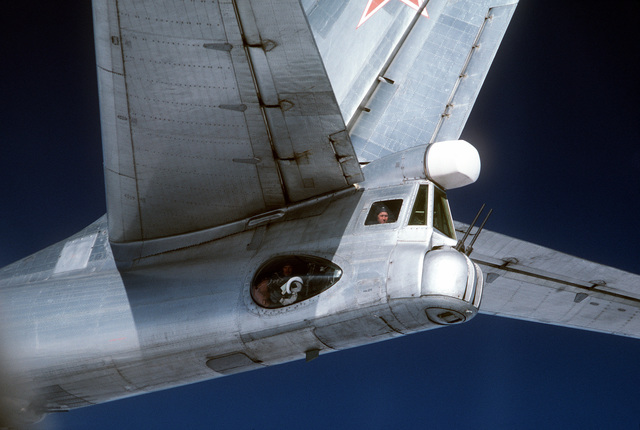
{"x":460,"y":244}
{"x":470,"y":249}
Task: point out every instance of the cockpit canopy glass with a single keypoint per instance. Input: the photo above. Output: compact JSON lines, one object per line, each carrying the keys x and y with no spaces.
{"x":442,"y":220}
{"x":420,"y":207}
{"x":286,"y":280}
{"x":384,"y":212}
{"x":441,"y":215}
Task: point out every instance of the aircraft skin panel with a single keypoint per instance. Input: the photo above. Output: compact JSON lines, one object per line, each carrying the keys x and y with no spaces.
{"x":86,"y":296}
{"x":354,"y":55}
{"x":403,"y":79}
{"x":98,"y":334}
{"x":188,"y":313}
{"x":199,"y":127}
{"x":534,"y":283}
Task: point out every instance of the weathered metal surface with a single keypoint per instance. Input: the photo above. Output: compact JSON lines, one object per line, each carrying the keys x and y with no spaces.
{"x":530,"y":282}
{"x":98,"y":333}
{"x":403,"y":79}
{"x":212,"y":112}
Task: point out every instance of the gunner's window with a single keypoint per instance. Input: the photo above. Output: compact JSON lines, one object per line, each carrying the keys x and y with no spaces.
{"x":442,"y":220}
{"x":441,"y":215}
{"x":291,"y":279}
{"x":420,"y":207}
{"x":384,"y":212}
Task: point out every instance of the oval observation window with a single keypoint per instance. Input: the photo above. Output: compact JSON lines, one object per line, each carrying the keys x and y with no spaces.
{"x":286,"y":280}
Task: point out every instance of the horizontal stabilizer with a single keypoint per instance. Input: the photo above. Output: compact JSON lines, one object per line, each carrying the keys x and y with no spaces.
{"x":533,"y":283}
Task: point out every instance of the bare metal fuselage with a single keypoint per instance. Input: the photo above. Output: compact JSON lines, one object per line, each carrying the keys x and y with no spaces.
{"x":81,"y":330}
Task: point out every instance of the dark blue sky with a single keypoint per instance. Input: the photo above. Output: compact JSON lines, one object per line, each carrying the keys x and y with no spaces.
{"x":556,"y":126}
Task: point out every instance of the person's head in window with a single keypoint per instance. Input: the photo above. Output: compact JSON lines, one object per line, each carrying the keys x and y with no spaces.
{"x":384,"y":212}
{"x":382,"y":216}
{"x":287,"y":269}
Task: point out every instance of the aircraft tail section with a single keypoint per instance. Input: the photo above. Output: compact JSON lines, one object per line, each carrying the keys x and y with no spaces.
{"x":403,"y":78}
{"x":356,"y":39}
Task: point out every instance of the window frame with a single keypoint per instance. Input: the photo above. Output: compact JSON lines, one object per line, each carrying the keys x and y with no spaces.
{"x":429,"y":209}
{"x":368,"y":220}
{"x":414,"y":232}
{"x":265,"y":272}
{"x":447,"y":208}
{"x":402,"y":192}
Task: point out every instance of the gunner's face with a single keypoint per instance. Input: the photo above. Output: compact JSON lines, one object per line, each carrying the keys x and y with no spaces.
{"x":287,"y":270}
{"x":383,"y":218}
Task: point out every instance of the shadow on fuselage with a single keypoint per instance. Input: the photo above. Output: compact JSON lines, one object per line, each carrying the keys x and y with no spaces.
{"x":194,"y":304}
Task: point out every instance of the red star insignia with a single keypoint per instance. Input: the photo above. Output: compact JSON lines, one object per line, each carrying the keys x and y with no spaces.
{"x":375,"y":5}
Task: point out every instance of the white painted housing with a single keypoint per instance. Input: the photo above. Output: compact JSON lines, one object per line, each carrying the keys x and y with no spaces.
{"x":452,"y":163}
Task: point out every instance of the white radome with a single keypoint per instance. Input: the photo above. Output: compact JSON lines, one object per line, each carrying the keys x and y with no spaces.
{"x":452,"y":163}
